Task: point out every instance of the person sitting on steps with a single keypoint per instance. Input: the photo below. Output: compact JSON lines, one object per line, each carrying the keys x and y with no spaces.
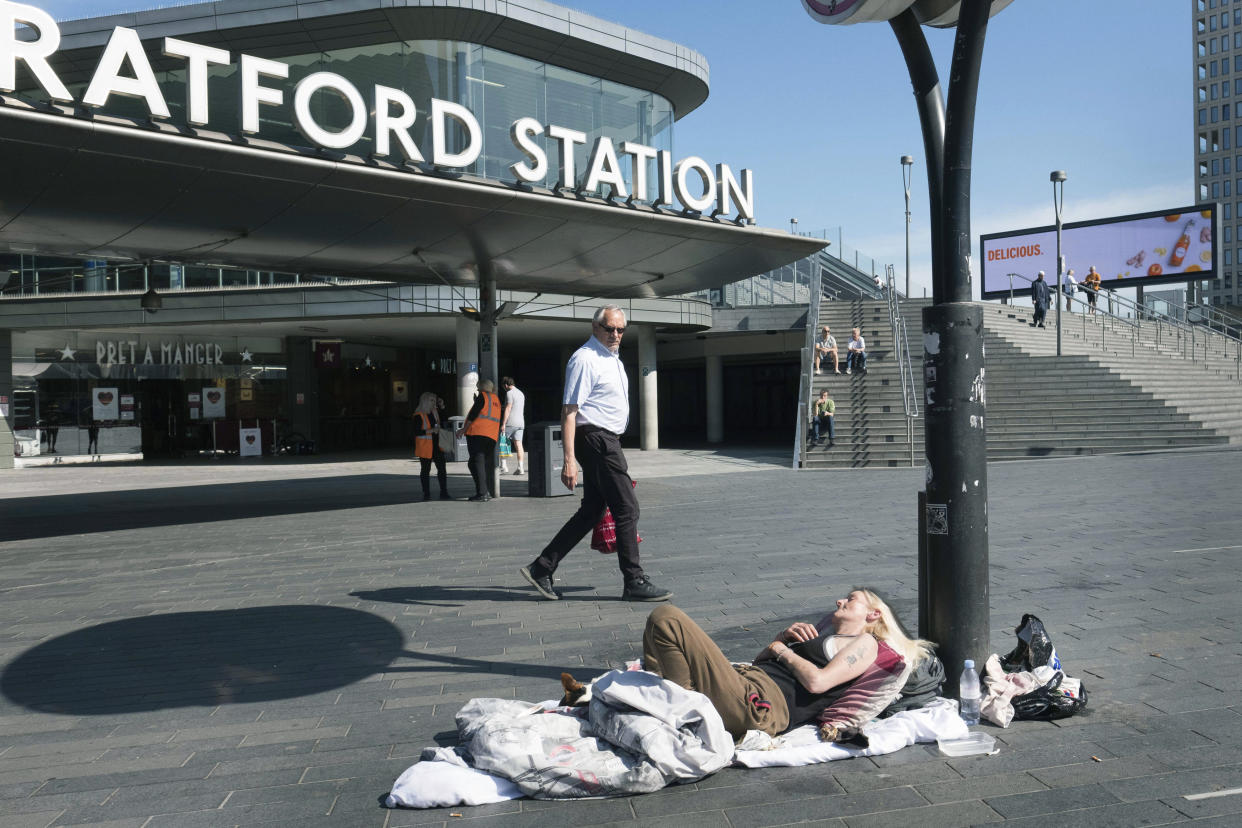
{"x":857,"y":357}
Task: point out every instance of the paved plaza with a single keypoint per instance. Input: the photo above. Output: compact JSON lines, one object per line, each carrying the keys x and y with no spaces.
{"x":223,"y":643}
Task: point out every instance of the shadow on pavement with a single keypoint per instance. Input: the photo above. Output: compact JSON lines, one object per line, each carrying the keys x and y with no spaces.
{"x":454,"y":596}
{"x":28,"y":518}
{"x":191,"y":659}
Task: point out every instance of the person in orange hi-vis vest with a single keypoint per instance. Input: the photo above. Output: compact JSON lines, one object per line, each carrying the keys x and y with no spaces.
{"x":482,"y":431}
{"x":427,"y":445}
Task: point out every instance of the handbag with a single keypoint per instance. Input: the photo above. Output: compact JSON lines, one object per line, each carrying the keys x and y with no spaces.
{"x":447,"y":441}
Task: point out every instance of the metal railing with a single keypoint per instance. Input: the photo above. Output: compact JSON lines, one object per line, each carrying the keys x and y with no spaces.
{"x":901,"y":352}
{"x":1192,"y":333}
{"x":804,"y":380}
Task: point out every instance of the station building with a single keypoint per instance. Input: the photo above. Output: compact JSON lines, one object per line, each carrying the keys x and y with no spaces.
{"x":298,"y":216}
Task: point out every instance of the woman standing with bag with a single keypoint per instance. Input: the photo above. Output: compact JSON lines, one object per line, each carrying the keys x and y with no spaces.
{"x":427,"y":445}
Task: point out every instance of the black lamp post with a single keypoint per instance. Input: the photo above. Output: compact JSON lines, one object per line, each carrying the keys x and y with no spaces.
{"x":1057,"y":177}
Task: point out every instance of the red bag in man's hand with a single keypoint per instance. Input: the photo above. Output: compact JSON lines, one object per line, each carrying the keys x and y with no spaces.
{"x":604,"y":536}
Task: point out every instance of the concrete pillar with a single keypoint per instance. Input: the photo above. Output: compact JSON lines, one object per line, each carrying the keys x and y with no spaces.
{"x":715,"y":399}
{"x":302,"y":387}
{"x":648,"y":395}
{"x":6,"y":398}
{"x":467,"y":364}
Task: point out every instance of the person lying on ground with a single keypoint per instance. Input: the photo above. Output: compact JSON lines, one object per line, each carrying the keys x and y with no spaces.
{"x":794,"y":679}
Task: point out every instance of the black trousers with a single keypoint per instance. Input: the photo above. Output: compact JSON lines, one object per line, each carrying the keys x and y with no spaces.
{"x":424,"y":471}
{"x":482,"y":461}
{"x":605,"y":484}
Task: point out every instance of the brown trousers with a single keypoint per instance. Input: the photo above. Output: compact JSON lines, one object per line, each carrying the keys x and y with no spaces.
{"x":677,"y":649}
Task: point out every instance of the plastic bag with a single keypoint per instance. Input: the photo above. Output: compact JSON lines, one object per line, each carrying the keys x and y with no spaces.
{"x":505,"y":451}
{"x":604,"y":535}
{"x":1034,"y":648}
{"x":1052,"y":701}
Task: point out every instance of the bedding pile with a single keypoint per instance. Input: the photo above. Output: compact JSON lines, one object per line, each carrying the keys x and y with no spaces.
{"x":637,"y":734}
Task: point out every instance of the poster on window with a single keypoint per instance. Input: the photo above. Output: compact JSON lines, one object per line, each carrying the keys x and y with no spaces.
{"x":251,"y":442}
{"x":106,"y":404}
{"x":213,"y":403}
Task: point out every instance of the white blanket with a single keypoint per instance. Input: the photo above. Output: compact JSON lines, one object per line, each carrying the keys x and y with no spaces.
{"x":443,"y":779}
{"x":801,"y":746}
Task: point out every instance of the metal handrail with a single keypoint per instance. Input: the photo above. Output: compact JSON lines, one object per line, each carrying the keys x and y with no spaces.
{"x":1187,"y":333}
{"x":808,"y":349}
{"x":901,"y":349}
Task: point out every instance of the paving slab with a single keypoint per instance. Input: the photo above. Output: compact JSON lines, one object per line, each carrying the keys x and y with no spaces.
{"x":228,"y":643}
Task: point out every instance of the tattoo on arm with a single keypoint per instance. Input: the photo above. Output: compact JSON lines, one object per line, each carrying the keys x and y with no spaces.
{"x":851,"y":659}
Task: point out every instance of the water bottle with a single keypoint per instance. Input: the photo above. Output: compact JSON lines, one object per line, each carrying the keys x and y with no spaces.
{"x":968,"y":694}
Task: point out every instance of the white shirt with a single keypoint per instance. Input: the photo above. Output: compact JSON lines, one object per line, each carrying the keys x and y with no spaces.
{"x":595,"y":381}
{"x":517,"y":413}
{"x":858,"y":344}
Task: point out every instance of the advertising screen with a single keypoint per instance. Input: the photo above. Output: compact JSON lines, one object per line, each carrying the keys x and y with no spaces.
{"x":1173,"y":245}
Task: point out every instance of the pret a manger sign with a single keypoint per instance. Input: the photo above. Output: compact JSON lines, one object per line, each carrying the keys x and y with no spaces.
{"x":386,"y":115}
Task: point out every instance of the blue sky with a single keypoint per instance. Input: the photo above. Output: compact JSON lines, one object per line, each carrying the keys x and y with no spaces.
{"x":1098,"y":88}
{"x":823,"y":113}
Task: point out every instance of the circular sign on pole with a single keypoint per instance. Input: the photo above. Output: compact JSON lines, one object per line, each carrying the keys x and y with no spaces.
{"x":839,"y":12}
{"x":939,"y":13}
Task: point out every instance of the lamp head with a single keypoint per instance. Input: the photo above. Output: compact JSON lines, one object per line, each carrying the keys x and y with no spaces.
{"x":1057,"y":176}
{"x":906,"y":161}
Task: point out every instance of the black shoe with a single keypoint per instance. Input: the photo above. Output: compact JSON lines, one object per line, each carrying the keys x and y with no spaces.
{"x":641,"y":589}
{"x":446,"y":496}
{"x":426,"y":496}
{"x":480,"y":498}
{"x":542,"y":585}
{"x":1041,"y":324}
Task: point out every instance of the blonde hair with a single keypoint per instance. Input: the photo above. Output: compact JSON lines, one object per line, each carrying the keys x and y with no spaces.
{"x":888,"y":628}
{"x":426,"y":403}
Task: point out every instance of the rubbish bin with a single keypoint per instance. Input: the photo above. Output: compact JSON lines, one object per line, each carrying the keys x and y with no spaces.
{"x":547,"y":458}
{"x":460,"y":453}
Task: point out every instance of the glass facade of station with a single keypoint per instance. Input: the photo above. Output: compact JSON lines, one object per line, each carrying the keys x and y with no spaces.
{"x":496,"y":86}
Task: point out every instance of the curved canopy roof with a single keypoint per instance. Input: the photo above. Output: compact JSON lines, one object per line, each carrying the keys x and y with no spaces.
{"x":105,"y":188}
{"x":279,"y":28}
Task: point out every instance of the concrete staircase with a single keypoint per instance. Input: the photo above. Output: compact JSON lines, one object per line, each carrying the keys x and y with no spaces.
{"x":1114,"y":389}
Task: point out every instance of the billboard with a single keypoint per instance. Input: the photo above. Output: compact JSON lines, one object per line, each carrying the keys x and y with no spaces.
{"x":1174,"y":245}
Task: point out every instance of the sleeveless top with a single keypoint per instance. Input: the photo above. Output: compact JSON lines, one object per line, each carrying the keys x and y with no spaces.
{"x":804,"y":705}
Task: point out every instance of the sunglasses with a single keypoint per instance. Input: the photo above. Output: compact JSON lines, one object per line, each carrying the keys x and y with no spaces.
{"x":618,"y":330}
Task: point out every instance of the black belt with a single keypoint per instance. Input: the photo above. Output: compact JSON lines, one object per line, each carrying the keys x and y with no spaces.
{"x":587,"y":428}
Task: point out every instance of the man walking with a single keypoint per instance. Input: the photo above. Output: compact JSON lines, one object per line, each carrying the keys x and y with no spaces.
{"x":1041,"y":297}
{"x":595,"y":413}
{"x":513,"y":422}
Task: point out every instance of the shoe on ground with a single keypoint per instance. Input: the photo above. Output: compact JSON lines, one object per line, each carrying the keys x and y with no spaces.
{"x":481,"y":498}
{"x":849,"y":370}
{"x":446,"y":496}
{"x":641,"y":589}
{"x":517,"y":471}
{"x":542,"y":585}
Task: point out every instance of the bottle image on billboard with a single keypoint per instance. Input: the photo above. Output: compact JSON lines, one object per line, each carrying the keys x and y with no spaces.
{"x":1183,"y":244}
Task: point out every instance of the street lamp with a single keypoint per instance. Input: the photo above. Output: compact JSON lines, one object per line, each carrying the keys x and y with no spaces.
{"x":1057,"y":177}
{"x":907,"y":171}
{"x":793,"y":227}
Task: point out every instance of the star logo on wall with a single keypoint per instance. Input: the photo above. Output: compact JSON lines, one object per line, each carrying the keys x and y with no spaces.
{"x":368,"y":361}
{"x":67,"y":352}
{"x":246,"y":356}
{"x":328,"y":356}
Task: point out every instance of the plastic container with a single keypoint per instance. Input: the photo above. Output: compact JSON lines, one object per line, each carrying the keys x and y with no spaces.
{"x":973,"y":744}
